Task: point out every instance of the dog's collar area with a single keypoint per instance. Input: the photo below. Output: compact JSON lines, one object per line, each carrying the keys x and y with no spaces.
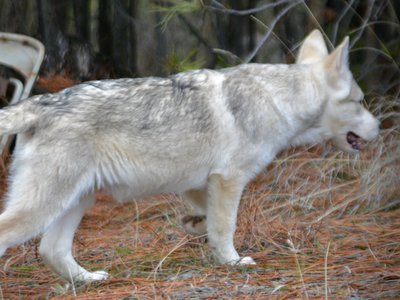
{"x":354,"y":140}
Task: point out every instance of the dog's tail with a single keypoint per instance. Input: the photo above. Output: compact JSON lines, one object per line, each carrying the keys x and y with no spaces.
{"x":18,"y":118}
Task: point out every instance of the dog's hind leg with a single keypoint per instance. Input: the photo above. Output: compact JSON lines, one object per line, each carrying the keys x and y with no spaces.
{"x":222,"y":208}
{"x":42,"y":188}
{"x":23,"y":220}
{"x":195,"y":224}
{"x":56,"y":244}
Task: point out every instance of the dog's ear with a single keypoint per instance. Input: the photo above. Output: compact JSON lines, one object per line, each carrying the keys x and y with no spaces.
{"x":313,"y":49}
{"x":337,"y":71}
{"x":338,"y":60}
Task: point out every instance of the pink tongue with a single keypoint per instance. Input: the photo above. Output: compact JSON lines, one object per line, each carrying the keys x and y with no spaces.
{"x":354,"y":140}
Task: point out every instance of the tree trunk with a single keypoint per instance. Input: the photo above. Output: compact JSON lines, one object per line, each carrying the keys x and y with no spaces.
{"x":82,"y":19}
{"x":133,"y":7}
{"x":121,"y":41}
{"x":236,"y":29}
{"x":105,"y":36}
{"x":51,"y":36}
{"x":15,"y":15}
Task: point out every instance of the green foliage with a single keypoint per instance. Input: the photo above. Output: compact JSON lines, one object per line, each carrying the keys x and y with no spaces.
{"x":26,"y":268}
{"x":123,"y":251}
{"x":226,"y":59}
{"x":345,"y":176}
{"x":176,"y":7}
{"x":174,"y":64}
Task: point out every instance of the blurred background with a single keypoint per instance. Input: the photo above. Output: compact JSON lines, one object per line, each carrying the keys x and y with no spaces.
{"x":97,"y":39}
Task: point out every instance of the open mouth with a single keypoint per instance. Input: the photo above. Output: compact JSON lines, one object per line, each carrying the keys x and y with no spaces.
{"x":354,"y":140}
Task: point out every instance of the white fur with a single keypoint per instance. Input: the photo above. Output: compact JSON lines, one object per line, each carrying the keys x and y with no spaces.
{"x":206,"y":134}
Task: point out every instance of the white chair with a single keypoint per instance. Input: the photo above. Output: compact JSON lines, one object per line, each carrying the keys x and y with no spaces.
{"x":24,"y":55}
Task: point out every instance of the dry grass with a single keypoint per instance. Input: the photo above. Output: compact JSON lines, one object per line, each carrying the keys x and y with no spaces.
{"x":319,"y":224}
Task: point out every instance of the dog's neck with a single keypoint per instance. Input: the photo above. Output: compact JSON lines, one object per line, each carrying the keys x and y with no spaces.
{"x":291,"y":92}
{"x":310,"y":129}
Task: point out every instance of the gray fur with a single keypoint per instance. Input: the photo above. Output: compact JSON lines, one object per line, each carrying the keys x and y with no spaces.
{"x":204,"y":134}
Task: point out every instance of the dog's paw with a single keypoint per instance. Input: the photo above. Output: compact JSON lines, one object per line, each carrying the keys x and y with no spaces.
{"x":244,"y":261}
{"x":92,"y":276}
{"x":99,"y":275}
{"x":247,"y":260}
{"x":194,"y":225}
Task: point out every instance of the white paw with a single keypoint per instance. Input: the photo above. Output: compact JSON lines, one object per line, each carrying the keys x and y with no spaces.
{"x":247,"y":260}
{"x":92,"y":276}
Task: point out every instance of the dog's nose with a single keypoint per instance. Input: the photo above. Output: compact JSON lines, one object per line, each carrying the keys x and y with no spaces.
{"x":371,"y":127}
{"x":378,"y":125}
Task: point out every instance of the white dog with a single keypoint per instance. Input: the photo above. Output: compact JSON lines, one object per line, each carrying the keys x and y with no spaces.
{"x":202,"y":133}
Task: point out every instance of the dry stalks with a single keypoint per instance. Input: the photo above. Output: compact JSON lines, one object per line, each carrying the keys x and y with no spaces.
{"x":318,"y":222}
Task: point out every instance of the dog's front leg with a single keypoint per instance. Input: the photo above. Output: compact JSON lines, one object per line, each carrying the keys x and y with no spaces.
{"x":222,"y":208}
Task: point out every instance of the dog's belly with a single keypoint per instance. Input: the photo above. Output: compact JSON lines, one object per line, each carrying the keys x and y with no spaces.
{"x":141,"y":183}
{"x":133,"y":170}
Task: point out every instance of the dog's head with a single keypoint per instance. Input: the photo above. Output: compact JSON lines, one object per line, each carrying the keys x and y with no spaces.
{"x":345,"y":120}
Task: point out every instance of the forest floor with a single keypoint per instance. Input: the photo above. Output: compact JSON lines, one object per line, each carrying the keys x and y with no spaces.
{"x":318,"y":223}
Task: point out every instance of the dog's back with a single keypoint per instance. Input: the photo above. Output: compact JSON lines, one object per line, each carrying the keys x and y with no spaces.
{"x":137,"y":137}
{"x":146,"y":135}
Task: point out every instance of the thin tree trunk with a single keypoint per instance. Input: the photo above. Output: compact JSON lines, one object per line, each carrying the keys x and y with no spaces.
{"x":252,"y":30}
{"x":121,"y":38}
{"x":14,"y":16}
{"x":133,"y":7}
{"x":51,"y":36}
{"x":236,"y":29}
{"x":82,"y":19}
{"x":61,"y":9}
{"x":105,"y":32}
{"x":161,"y":50}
